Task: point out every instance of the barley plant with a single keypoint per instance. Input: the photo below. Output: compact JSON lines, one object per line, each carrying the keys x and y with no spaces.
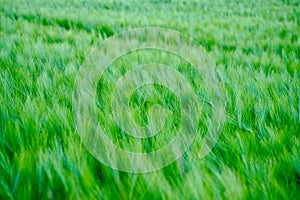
{"x":255,"y":46}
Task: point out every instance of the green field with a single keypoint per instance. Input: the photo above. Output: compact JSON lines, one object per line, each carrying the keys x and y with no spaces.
{"x":256,"y":48}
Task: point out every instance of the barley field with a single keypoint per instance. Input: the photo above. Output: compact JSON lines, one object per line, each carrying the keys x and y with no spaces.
{"x":256,"y":49}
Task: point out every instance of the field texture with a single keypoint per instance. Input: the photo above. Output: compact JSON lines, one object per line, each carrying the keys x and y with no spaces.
{"x":256,"y":48}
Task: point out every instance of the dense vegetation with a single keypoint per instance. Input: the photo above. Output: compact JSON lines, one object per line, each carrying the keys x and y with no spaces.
{"x":256,"y":47}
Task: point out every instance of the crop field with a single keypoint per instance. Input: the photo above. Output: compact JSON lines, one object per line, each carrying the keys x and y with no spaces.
{"x":255,"y":46}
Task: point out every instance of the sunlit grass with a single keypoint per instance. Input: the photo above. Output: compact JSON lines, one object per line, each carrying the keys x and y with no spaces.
{"x":256,"y":47}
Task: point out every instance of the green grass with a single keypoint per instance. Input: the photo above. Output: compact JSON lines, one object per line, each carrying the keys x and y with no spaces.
{"x":256,"y":47}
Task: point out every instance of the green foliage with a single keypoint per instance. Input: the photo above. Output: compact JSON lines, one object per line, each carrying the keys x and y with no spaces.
{"x":256,"y":46}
